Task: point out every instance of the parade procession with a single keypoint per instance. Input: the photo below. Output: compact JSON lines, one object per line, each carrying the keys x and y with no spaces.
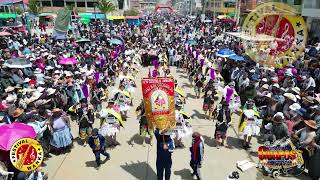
{"x":166,"y":94}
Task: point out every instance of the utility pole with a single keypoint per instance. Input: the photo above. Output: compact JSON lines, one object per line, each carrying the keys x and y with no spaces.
{"x":214,"y":10}
{"x":190,"y":7}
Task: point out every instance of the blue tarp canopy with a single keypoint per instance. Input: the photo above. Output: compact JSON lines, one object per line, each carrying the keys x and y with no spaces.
{"x":236,"y":58}
{"x":225,"y":53}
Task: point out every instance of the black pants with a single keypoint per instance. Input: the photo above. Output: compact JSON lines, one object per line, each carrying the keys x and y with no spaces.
{"x":163,"y":167}
{"x":196,"y":169}
{"x":97,"y":155}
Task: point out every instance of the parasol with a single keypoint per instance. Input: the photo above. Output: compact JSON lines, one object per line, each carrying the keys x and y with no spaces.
{"x":10,"y":133}
{"x":225,"y":53}
{"x":18,"y":63}
{"x":68,"y":61}
{"x":115,"y":41}
{"x":4,"y":33}
{"x":236,"y":58}
{"x":83,"y":40}
{"x":192,"y":42}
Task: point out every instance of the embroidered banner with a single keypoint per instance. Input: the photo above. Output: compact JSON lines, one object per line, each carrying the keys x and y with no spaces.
{"x":158,"y":98}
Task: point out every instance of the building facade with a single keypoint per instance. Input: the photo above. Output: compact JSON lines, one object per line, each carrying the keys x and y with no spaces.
{"x":223,"y":7}
{"x":85,"y":5}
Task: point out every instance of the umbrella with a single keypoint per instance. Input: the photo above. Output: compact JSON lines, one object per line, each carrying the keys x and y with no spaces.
{"x":192,"y":42}
{"x":10,"y":133}
{"x":115,"y":41}
{"x":236,"y":58}
{"x":17,"y":63}
{"x":116,"y":115}
{"x":68,"y":61}
{"x":4,"y":33}
{"x":83,"y":40}
{"x":225,"y":53}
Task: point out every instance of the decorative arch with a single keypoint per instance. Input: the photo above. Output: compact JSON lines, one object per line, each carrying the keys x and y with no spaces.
{"x":163,"y":6}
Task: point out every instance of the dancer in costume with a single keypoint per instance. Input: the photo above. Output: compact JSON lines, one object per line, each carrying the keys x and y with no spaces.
{"x":183,"y":128}
{"x":123,"y":100}
{"x":111,"y":122}
{"x":144,"y":125}
{"x":224,"y":121}
{"x":85,"y":120}
{"x":248,"y":123}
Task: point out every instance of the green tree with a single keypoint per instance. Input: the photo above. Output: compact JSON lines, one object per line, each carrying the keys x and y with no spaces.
{"x":131,"y":12}
{"x":34,"y":6}
{"x":19,"y":10}
{"x":105,"y":6}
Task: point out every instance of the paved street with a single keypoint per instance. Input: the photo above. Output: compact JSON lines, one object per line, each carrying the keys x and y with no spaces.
{"x":131,"y":160}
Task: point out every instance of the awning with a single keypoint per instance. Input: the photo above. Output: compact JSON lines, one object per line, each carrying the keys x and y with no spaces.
{"x":8,"y":2}
{"x":5,"y":16}
{"x":133,"y":17}
{"x":231,"y":14}
{"x":98,"y":16}
{"x":115,"y":17}
{"x":47,"y":14}
{"x":92,"y":16}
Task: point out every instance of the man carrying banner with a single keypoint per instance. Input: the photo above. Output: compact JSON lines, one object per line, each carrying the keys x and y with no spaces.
{"x":165,"y":147}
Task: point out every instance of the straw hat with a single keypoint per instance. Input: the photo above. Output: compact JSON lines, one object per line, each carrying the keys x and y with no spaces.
{"x":268,"y":95}
{"x":26,"y":80}
{"x":56,"y":72}
{"x":17,"y":112}
{"x":265,"y":86}
{"x":278,"y":120}
{"x":308,"y":99}
{"x":35,"y":96}
{"x":290,"y":96}
{"x":276,"y":85}
{"x":11,"y":99}
{"x":41,"y":102}
{"x":311,"y":123}
{"x":40,"y":89}
{"x":50,"y":91}
{"x":56,"y":110}
{"x":295,"y":106}
{"x":296,"y":90}
{"x":37,"y":71}
{"x":9,"y":89}
{"x":49,"y":68}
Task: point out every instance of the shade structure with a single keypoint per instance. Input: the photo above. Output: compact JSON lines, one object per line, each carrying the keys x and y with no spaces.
{"x":192,"y":42}
{"x":225,"y":53}
{"x":236,"y":58}
{"x":10,"y":133}
{"x":17,"y":63}
{"x":4,"y":33}
{"x":115,"y":41}
{"x":83,"y":40}
{"x":68,"y":61}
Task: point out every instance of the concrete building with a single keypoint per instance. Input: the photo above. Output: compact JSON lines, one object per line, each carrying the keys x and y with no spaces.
{"x":311,"y":10}
{"x":223,"y":7}
{"x":83,"y":5}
